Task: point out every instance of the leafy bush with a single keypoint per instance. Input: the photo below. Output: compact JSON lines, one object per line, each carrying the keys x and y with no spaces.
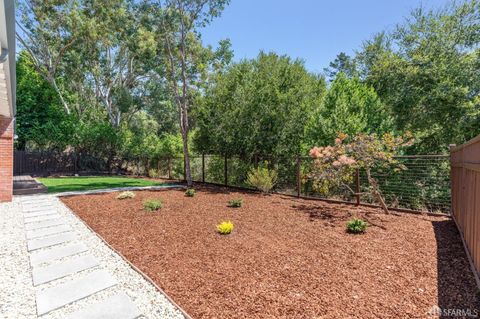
{"x":152,"y":205}
{"x":154,"y":173}
{"x":235,"y":202}
{"x":356,"y":226}
{"x":190,"y":192}
{"x":334,"y":165}
{"x":225,"y":228}
{"x":262,"y":178}
{"x":125,"y":195}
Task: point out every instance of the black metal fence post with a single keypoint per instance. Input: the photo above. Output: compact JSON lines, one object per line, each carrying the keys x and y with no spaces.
{"x":203,"y":168}
{"x":169,"y":168}
{"x":74,"y":163}
{"x":226,"y":170}
{"x":299,"y":180}
{"x":357,"y":186}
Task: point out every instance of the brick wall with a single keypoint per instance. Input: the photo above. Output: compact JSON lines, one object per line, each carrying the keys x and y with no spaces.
{"x":6,"y":159}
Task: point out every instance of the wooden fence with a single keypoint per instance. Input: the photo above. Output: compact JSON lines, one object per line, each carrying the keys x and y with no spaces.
{"x":465,"y":189}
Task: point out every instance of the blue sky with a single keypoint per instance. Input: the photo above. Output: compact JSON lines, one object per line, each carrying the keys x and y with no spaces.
{"x":313,"y":30}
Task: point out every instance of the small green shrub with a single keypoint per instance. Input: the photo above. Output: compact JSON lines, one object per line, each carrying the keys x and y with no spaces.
{"x":152,"y":205}
{"x":125,"y":195}
{"x":235,"y":202}
{"x":154,"y":173}
{"x":356,"y":226}
{"x":225,"y":228}
{"x":262,"y":178}
{"x":190,"y":192}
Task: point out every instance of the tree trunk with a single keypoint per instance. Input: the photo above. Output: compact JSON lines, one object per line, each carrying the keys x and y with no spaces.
{"x":184,"y":131}
{"x":186,"y":156}
{"x":60,"y":95}
{"x":376,"y":192}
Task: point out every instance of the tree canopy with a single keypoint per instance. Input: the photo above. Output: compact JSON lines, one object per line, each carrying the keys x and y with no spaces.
{"x":133,"y":78}
{"x":258,"y":106}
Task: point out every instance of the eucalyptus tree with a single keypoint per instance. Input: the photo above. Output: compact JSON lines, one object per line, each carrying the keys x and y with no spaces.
{"x":92,"y":53}
{"x":182,"y":58}
{"x":47,"y":30}
{"x":109,"y":63}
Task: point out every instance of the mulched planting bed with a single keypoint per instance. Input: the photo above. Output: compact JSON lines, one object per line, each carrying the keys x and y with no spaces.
{"x":286,"y":257}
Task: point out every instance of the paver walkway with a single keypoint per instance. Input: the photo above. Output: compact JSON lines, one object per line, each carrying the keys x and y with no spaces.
{"x":56,"y":253}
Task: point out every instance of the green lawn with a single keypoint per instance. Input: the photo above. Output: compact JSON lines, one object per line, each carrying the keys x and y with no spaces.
{"x":68,"y":184}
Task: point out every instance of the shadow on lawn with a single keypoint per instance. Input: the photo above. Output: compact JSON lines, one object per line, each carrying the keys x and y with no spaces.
{"x":456,"y":284}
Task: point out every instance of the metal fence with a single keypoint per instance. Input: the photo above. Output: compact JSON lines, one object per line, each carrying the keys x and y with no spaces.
{"x":52,"y":163}
{"x":423,"y":186}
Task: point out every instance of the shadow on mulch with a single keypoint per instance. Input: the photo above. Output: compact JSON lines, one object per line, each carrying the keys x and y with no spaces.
{"x":320,"y":213}
{"x":219,"y":189}
{"x":456,"y":284}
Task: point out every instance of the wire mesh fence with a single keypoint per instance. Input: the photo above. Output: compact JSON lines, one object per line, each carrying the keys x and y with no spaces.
{"x":424,"y":184}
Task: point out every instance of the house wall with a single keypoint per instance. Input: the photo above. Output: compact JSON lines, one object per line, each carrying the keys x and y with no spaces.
{"x":6,"y":159}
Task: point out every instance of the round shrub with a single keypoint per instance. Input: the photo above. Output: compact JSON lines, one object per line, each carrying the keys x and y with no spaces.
{"x":190,"y":192}
{"x":356,"y":226}
{"x":125,"y":195}
{"x":262,"y":178}
{"x":235,"y":202}
{"x":225,"y":228}
{"x":152,"y":205}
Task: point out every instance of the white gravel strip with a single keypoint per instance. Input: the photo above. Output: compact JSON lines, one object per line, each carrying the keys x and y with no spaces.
{"x":150,"y":302}
{"x":17,"y":295}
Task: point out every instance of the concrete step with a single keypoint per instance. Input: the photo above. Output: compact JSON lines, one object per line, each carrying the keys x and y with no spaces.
{"x":54,"y":253}
{"x":41,"y":218}
{"x":38,"y":243}
{"x":37,"y":208}
{"x":36,"y":233}
{"x":46,"y":274}
{"x":56,"y":297}
{"x":44,"y":224}
{"x":40,"y":213}
{"x":119,"y":306}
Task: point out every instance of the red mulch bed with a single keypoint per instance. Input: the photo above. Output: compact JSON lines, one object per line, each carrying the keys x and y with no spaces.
{"x":287,"y":257}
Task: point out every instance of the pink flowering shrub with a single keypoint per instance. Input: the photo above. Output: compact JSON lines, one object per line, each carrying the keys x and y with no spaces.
{"x":334,"y":166}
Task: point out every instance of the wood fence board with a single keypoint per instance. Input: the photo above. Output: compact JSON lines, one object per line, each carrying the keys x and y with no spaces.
{"x":465,"y":192}
{"x":476,"y":243}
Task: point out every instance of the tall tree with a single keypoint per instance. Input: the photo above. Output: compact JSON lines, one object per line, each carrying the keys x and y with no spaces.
{"x":427,"y":72}
{"x":177,"y":24}
{"x":350,"y":107}
{"x":47,"y":30}
{"x":342,"y":63}
{"x":258,"y":106}
{"x":109,"y":62}
{"x":92,"y":53}
{"x":40,"y":121}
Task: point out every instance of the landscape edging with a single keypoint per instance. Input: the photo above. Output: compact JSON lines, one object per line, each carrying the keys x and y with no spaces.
{"x":184,"y":313}
{"x":118,"y":189}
